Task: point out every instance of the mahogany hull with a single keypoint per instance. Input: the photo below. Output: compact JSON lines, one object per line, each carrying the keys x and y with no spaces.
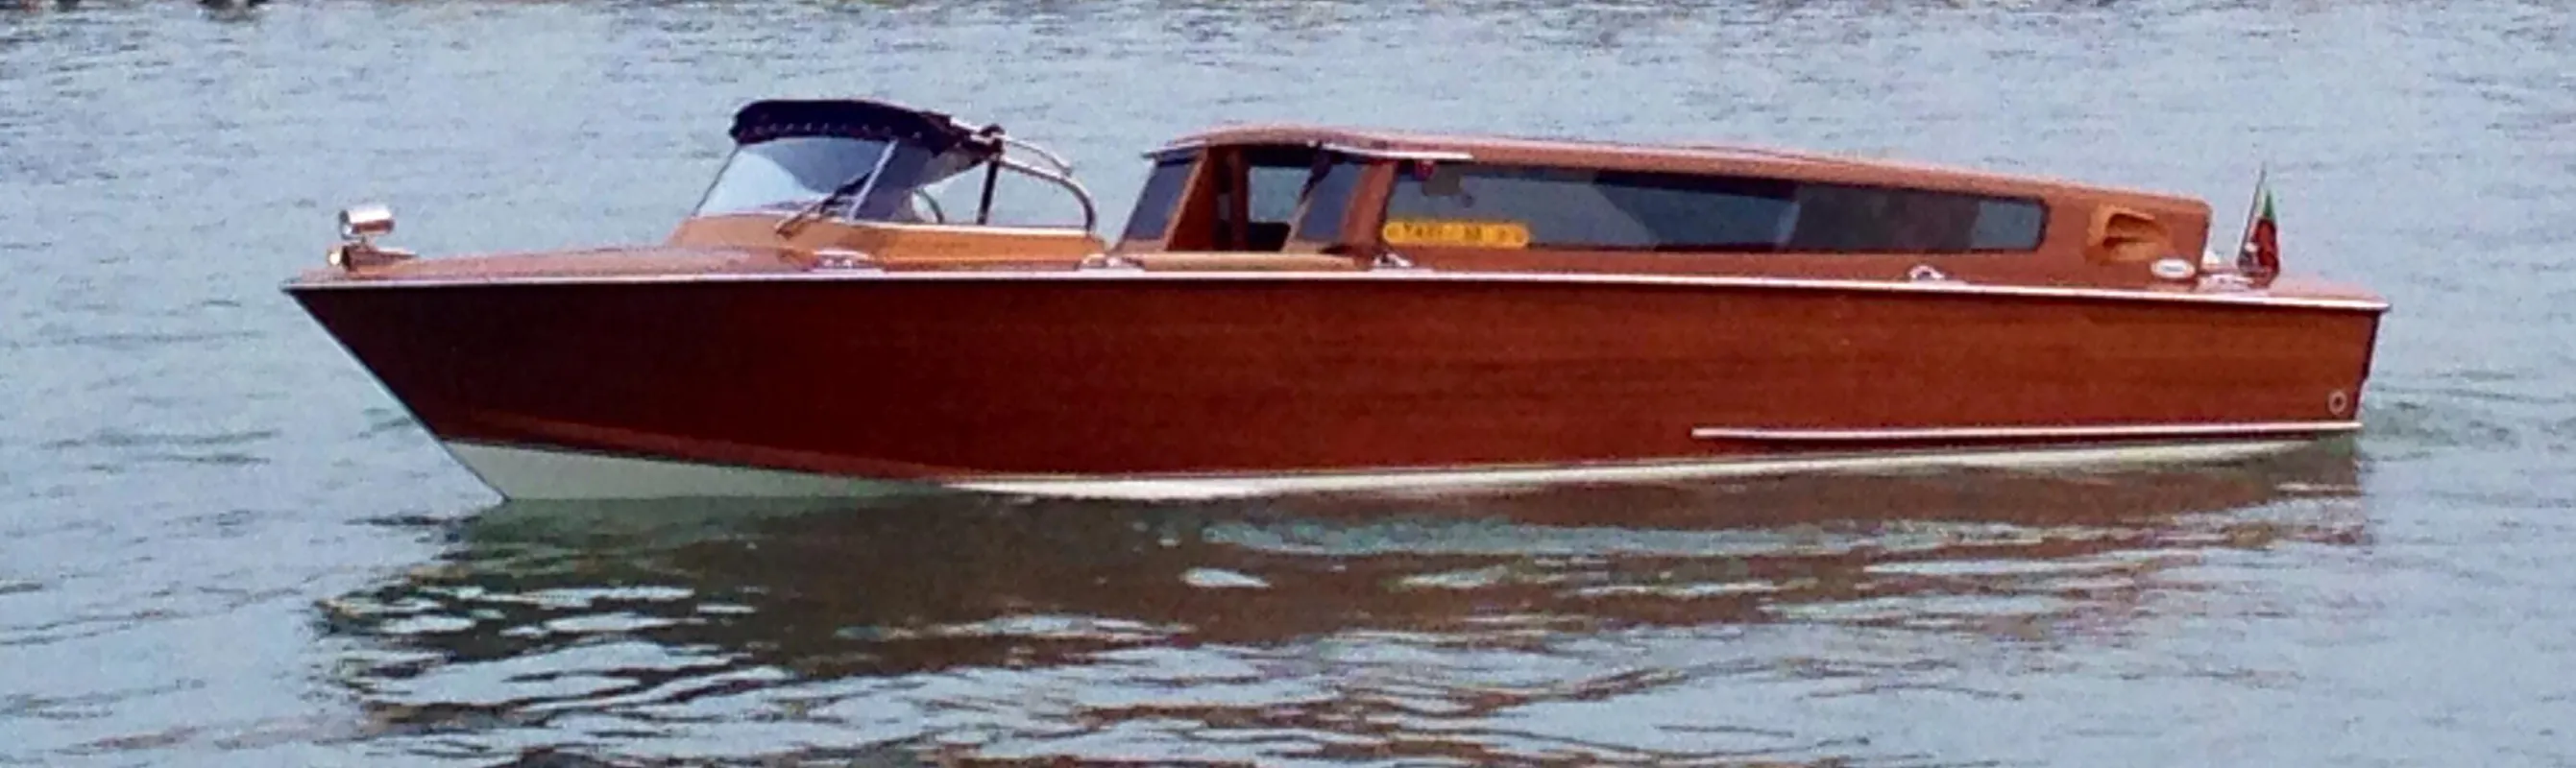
{"x":962,"y":377}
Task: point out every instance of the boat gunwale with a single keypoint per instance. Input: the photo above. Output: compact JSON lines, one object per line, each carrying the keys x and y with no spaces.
{"x":1945,"y":288}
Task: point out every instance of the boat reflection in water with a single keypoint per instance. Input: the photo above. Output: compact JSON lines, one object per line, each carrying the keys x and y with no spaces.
{"x":1279,"y":628}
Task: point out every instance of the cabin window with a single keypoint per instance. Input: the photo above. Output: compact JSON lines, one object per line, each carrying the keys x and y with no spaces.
{"x":1275,"y":189}
{"x":1162,"y":194}
{"x":1634,"y":210}
{"x":2007,"y":224}
{"x":1328,"y":198}
{"x":1274,"y":179}
{"x":1838,"y":218}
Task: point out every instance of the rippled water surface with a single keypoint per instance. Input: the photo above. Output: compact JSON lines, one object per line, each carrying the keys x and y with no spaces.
{"x":222,"y":544}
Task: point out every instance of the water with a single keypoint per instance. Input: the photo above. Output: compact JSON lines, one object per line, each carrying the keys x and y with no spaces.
{"x":221,"y":544}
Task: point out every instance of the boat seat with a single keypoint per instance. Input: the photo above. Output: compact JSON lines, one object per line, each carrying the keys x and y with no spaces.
{"x":1266,"y":236}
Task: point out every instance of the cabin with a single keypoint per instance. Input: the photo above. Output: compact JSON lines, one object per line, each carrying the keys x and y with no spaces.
{"x":852,"y":181}
{"x":1301,"y":197}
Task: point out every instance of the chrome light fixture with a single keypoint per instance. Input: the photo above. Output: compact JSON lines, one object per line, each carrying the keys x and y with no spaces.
{"x":360,"y":225}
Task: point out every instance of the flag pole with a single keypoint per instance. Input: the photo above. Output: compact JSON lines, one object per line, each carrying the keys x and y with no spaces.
{"x":2253,"y":209}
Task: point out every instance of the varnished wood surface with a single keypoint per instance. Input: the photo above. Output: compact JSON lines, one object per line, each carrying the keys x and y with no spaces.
{"x":938,"y":377}
{"x":895,"y":246}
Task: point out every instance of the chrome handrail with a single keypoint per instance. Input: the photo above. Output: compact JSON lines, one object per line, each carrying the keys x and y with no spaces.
{"x":1052,"y":158}
{"x":1090,"y":213}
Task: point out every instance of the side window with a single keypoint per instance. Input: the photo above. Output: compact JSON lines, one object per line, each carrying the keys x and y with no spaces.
{"x":1162,"y":193}
{"x":1580,"y":208}
{"x":2005,"y":224}
{"x":1274,"y":179}
{"x":1629,"y":210}
{"x":1328,"y":200}
{"x":1275,"y":189}
{"x":1836,"y":218}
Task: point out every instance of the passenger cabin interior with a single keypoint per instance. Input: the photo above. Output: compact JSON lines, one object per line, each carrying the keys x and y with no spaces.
{"x":1777,"y":214}
{"x":1244,"y":199}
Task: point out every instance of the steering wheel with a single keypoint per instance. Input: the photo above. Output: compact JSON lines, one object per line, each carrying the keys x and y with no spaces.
{"x":937,"y":216}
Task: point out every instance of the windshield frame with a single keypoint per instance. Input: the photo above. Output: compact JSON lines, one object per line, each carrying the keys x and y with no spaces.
{"x":896,"y":171}
{"x":903,"y":153}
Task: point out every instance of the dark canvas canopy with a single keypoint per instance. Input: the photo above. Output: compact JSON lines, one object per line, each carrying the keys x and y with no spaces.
{"x":765,"y":120}
{"x":873,"y":156}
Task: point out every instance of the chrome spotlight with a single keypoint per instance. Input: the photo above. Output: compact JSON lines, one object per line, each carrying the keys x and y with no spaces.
{"x":365,"y":222}
{"x":360,"y":225}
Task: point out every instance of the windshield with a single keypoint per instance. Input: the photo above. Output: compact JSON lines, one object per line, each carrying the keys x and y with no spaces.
{"x":786,"y":174}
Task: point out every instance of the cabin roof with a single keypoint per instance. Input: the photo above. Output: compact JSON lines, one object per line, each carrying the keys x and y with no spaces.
{"x":1680,"y":157}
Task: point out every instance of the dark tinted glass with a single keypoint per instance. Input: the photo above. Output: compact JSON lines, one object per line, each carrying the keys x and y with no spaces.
{"x":1579,"y":208}
{"x":1274,"y":190}
{"x":1327,"y":202}
{"x":1162,"y":191}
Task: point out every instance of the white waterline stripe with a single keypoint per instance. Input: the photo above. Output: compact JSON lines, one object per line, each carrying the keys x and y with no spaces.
{"x":539,"y":473}
{"x":1243,"y":486}
{"x":1996,"y":433}
{"x":1080,"y":275}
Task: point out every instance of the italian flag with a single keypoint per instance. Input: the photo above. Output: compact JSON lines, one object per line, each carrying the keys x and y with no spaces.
{"x":2262,"y":250}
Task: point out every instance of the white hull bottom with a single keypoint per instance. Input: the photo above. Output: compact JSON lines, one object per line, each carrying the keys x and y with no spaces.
{"x":537,"y":474}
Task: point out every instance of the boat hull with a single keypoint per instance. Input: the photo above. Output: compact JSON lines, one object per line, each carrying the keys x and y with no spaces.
{"x":1106,"y":382}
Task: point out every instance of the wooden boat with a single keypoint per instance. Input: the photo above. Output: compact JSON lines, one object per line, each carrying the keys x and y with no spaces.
{"x":1296,"y":308}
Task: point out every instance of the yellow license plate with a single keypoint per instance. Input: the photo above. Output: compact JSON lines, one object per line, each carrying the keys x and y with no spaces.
{"x":1463,"y":234}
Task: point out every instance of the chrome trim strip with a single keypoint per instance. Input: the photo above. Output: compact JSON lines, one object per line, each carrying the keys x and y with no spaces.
{"x":1061,"y":165}
{"x":1167,"y":151}
{"x":2007,"y":433}
{"x":1573,"y":278}
{"x":1398,"y":154}
{"x":1090,"y":213}
{"x":1064,"y":230}
{"x":982,"y":229}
